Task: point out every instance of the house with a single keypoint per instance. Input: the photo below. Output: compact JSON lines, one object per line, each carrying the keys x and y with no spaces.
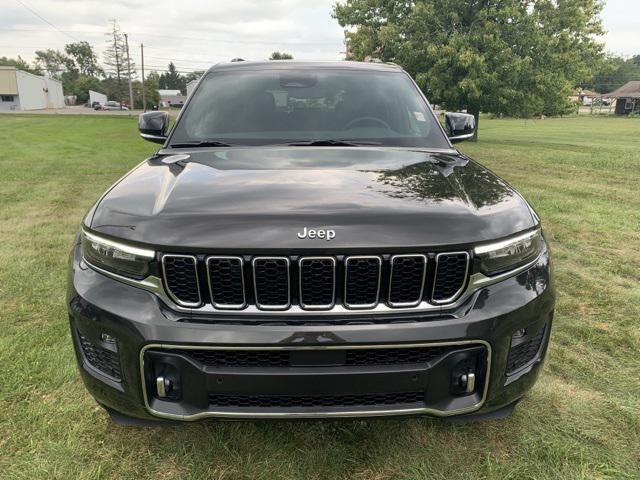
{"x":171,"y":98}
{"x":97,"y":97}
{"x":176,"y":101}
{"x":25,"y":91}
{"x":627,"y":98}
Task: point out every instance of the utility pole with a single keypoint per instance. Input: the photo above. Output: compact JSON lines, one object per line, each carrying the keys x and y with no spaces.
{"x":144,"y":96}
{"x":126,"y":41}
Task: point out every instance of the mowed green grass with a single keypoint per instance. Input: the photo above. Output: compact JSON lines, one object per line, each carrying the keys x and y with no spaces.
{"x":581,"y":421}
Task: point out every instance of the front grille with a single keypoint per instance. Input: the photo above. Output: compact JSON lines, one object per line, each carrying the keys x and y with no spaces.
{"x":181,"y":277}
{"x":322,"y":358}
{"x":524,"y":353}
{"x":451,"y":275}
{"x":362,"y":282}
{"x":100,"y":358}
{"x":356,"y":282}
{"x":293,"y":401}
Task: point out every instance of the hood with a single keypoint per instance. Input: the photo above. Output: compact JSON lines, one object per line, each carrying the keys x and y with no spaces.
{"x":245,"y":200}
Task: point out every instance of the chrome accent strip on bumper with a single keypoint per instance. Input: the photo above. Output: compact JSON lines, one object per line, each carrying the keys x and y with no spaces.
{"x":154,"y":285}
{"x":346,"y":413}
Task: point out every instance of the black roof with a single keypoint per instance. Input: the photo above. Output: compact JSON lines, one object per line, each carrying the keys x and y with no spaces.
{"x":296,"y":64}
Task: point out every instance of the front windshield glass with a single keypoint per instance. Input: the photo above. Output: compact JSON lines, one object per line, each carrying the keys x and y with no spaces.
{"x":266,"y":107}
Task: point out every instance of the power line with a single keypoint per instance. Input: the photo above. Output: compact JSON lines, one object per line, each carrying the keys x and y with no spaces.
{"x":47,"y":21}
{"x":257,"y":41}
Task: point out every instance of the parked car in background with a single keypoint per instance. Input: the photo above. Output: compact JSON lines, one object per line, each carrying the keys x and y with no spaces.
{"x":110,"y":105}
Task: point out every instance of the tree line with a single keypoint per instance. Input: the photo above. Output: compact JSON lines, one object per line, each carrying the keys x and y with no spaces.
{"x":509,"y":57}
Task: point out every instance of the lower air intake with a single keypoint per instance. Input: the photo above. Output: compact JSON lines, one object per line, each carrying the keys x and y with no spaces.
{"x":293,"y":401}
{"x":100,"y":358}
{"x":523,"y":354}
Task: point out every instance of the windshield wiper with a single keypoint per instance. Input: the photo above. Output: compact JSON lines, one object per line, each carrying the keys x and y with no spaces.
{"x":201,"y":143}
{"x":331,"y":143}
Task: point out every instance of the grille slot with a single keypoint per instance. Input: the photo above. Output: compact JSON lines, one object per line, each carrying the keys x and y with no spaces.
{"x":406,"y":283}
{"x":317,"y":282}
{"x":450,"y":277}
{"x":283,"y":358}
{"x":181,"y":278}
{"x":297,"y":401}
{"x":226,"y":282}
{"x":524,"y":353}
{"x":362,"y":281}
{"x":100,"y":358}
{"x":271,"y":282}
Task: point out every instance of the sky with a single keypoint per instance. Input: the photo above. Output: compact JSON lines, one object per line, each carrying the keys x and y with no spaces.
{"x":198,"y":33}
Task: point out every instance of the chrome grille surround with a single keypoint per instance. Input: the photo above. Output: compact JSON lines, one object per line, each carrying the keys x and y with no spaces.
{"x":156,"y":285}
{"x":328,"y":306}
{"x":224,"y":306}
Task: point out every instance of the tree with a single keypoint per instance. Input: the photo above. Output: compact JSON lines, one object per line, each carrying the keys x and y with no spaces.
{"x":53,"y":62}
{"x":20,"y":64}
{"x":172,"y":79}
{"x":84,"y":58}
{"x":514,"y":57}
{"x":281,"y":56}
{"x":614,"y":72}
{"x":115,"y":60}
{"x":195,"y":75}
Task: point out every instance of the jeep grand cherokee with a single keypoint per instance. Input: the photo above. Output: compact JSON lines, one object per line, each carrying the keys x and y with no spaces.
{"x":308,"y":243}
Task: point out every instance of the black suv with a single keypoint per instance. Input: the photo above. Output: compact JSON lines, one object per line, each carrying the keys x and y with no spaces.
{"x":308,"y":243}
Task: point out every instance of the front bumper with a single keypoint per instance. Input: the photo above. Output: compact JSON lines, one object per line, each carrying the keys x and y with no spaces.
{"x":311,"y":377}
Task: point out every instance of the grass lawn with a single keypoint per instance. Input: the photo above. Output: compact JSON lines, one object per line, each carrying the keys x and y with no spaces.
{"x":581,"y":421}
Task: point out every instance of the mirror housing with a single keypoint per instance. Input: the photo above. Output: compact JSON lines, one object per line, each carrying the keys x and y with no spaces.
{"x":153,"y":126}
{"x":460,"y":126}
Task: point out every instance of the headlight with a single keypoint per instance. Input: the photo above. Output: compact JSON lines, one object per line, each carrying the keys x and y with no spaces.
{"x":508,"y":254}
{"x":115,"y":256}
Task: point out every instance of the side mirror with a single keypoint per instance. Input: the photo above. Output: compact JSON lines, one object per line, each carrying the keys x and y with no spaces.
{"x":460,"y":126}
{"x":153,"y":126}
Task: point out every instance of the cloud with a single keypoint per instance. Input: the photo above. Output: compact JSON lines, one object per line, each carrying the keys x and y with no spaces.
{"x":194,"y":33}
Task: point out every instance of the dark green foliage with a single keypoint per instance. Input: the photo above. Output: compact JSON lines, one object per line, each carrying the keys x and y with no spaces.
{"x":511,"y":57}
{"x":614,"y":72}
{"x":281,"y":56}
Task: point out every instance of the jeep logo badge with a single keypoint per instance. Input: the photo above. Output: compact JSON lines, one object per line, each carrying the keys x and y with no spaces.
{"x":317,"y":233}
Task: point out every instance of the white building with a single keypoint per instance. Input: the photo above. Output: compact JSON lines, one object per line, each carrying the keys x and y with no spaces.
{"x":98,"y":97}
{"x":25,"y":91}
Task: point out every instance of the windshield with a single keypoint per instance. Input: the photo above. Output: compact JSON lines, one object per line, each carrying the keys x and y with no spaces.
{"x":266,"y":107}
